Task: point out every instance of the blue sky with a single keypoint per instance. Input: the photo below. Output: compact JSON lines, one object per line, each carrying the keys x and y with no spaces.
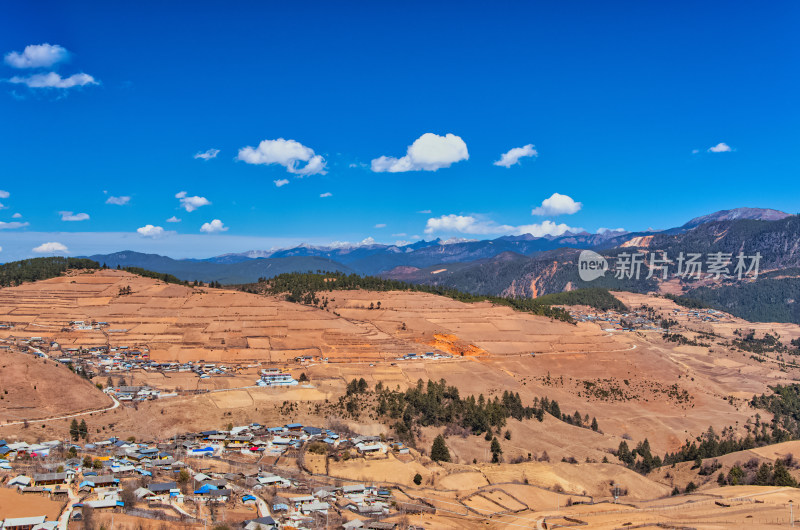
{"x":615,"y":107}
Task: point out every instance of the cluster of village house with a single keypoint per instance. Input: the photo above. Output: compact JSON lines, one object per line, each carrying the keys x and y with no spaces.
{"x":97,"y":360}
{"x":155,"y":469}
{"x":640,"y":320}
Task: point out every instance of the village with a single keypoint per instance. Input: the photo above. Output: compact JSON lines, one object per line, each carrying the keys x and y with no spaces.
{"x":249,"y":476}
{"x":646,"y":319}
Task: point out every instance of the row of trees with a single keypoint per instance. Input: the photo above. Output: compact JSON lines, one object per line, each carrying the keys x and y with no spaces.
{"x":303,"y":288}
{"x":78,"y":430}
{"x":440,"y":405}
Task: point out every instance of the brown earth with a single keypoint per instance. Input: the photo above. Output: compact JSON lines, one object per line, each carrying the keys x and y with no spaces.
{"x":32,"y":388}
{"x":636,"y":385}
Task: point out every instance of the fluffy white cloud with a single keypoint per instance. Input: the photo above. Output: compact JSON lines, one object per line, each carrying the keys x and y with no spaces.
{"x":4,"y":194}
{"x":326,"y":194}
{"x":53,"y":80}
{"x":429,"y":152}
{"x":12,"y":225}
{"x":16,"y":216}
{"x":611,"y":230}
{"x":192,"y":203}
{"x":468,"y":224}
{"x":51,"y":247}
{"x":150,"y":231}
{"x":287,"y":153}
{"x":213,"y":227}
{"x":463,"y":223}
{"x":557,"y":204}
{"x":513,"y":155}
{"x":721,"y":147}
{"x":380,"y":225}
{"x":281,"y":182}
{"x":69,"y":216}
{"x":37,"y":56}
{"x":119,"y":201}
{"x":207,"y":155}
{"x":173,"y":219}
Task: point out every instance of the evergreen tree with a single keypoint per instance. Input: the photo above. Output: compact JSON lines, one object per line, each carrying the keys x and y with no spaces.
{"x":781,"y":476}
{"x":594,"y":424}
{"x":439,"y":451}
{"x":496,"y":451}
{"x":764,"y":475}
{"x":74,"y":430}
{"x":83,"y":430}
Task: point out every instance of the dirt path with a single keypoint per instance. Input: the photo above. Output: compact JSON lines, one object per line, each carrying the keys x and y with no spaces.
{"x":67,"y":416}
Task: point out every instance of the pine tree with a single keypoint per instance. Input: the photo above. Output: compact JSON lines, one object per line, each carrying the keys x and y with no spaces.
{"x":594,"y":424}
{"x":439,"y":451}
{"x":74,"y":431}
{"x":781,"y":476}
{"x":496,"y":451}
{"x":83,"y":430}
{"x":764,"y":475}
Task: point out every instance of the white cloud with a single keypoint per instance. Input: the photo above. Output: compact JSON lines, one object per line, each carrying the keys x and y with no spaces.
{"x":463,"y":223}
{"x":402,"y":243}
{"x":69,"y":216}
{"x":51,"y":247}
{"x":557,"y":204}
{"x":191,"y":204}
{"x":173,"y":219}
{"x":287,"y":153}
{"x":16,"y":216}
{"x":281,"y":182}
{"x":12,"y":225}
{"x":207,"y":155}
{"x":611,"y":230}
{"x":429,"y":152}
{"x":695,"y":151}
{"x":326,"y":194}
{"x":119,"y":201}
{"x":150,"y":231}
{"x":424,"y":211}
{"x":4,"y":194}
{"x":380,"y":225}
{"x":468,"y":224}
{"x":721,"y":147}
{"x":213,"y":227}
{"x":53,"y":80}
{"x":400,"y":234}
{"x":37,"y":56}
{"x":513,"y":155}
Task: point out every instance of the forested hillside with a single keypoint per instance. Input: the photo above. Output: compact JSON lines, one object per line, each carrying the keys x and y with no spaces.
{"x":31,"y":270}
{"x":305,"y":287}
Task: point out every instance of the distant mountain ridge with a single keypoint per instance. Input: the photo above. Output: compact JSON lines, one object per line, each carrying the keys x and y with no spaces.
{"x":757,"y":214}
{"x":522,"y":265}
{"x":227,"y":273}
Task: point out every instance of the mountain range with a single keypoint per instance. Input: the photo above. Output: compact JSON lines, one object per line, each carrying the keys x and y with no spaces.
{"x":524,"y":265}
